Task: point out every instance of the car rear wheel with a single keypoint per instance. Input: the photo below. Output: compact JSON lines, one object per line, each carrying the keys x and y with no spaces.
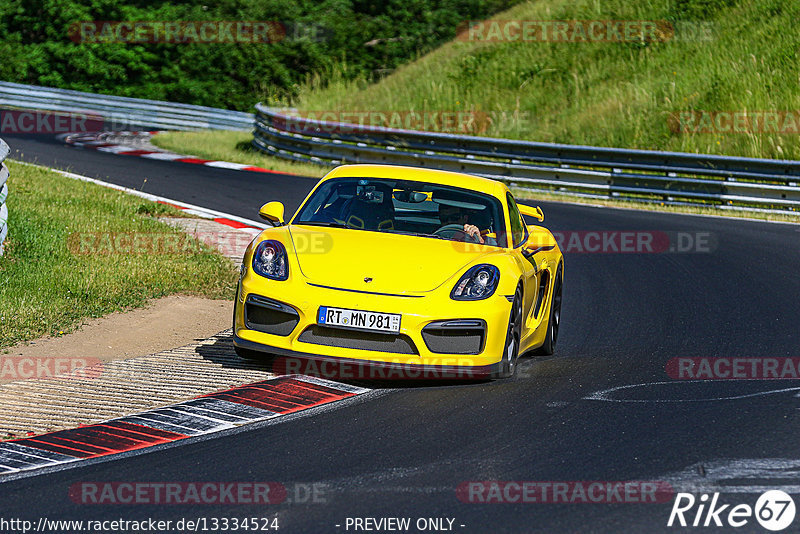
{"x":508,"y":365}
{"x":549,"y":345}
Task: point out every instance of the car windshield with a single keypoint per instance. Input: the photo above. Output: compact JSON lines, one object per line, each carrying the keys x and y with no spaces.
{"x":405,"y":207}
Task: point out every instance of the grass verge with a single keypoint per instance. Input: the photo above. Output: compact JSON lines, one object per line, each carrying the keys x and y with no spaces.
{"x":49,"y":284}
{"x":724,"y":56}
{"x":230,"y":146}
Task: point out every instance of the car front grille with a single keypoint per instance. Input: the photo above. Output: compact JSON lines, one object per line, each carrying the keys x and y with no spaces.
{"x":269,"y":316}
{"x":355,"y":339}
{"x":464,"y":336}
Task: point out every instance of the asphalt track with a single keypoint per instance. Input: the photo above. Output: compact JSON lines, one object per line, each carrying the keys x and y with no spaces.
{"x":402,"y":451}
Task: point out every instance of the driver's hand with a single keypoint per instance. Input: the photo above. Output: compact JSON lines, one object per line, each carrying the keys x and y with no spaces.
{"x":473,"y":231}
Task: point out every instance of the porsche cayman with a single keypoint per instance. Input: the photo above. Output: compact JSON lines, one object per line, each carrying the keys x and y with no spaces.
{"x":431,"y":272}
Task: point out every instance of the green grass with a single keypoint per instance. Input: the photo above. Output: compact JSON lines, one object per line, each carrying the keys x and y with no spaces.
{"x":601,"y":94}
{"x":230,"y":146}
{"x":604,"y":94}
{"x":48,"y":288}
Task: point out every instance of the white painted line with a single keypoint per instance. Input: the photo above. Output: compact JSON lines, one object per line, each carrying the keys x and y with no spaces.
{"x":164,"y":156}
{"x":228,"y":409}
{"x":39,"y":453}
{"x":9,"y":457}
{"x":334,"y":385}
{"x":231,"y":420}
{"x":115,"y":149}
{"x":153,"y":422}
{"x":188,"y":414}
{"x":225,"y":165}
{"x":605,"y":394}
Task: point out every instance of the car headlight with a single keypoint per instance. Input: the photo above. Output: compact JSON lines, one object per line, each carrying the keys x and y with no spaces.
{"x":477,"y":283}
{"x":269,"y":260}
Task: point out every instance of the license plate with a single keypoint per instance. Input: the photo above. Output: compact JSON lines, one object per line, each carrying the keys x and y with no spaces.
{"x":360,"y":320}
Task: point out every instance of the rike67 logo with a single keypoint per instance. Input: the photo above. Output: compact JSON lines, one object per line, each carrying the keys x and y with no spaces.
{"x":774,"y":510}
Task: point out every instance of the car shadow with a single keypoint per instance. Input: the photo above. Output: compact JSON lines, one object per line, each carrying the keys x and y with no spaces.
{"x":221,"y":352}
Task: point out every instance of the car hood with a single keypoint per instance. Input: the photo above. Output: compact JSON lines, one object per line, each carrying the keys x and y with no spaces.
{"x":393,"y":263}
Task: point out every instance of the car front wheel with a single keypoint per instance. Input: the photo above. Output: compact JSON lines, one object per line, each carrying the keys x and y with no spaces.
{"x":508,"y":364}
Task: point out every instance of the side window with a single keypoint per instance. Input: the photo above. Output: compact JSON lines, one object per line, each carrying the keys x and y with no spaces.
{"x":519,"y":232}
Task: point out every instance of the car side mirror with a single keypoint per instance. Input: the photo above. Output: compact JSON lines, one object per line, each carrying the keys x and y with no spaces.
{"x":538,"y":241}
{"x":272,"y":212}
{"x":530,"y":211}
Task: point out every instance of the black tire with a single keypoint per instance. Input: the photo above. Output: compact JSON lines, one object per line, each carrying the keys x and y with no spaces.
{"x":508,"y":364}
{"x":252,"y":355}
{"x":554,"y":321}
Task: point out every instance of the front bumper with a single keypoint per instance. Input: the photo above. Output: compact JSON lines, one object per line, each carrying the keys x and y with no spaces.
{"x":289,"y":362}
{"x":297,"y":304}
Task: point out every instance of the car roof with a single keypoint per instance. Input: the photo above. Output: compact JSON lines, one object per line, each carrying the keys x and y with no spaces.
{"x":418,"y":174}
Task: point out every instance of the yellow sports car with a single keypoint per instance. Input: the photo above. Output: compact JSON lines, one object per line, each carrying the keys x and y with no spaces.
{"x":427,"y":273}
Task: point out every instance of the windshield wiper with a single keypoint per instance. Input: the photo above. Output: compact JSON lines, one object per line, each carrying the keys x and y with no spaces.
{"x":335,"y":224}
{"x":415,"y":234}
{"x":332,"y":224}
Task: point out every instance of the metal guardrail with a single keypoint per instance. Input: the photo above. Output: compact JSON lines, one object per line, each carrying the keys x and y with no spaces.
{"x":641,"y":175}
{"x":123,"y":113}
{"x":4,"y":150}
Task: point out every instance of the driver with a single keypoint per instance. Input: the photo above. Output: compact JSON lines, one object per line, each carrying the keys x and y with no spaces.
{"x":456,"y":215}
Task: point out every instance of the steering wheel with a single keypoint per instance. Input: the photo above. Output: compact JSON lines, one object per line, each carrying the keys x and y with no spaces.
{"x":455,"y":232}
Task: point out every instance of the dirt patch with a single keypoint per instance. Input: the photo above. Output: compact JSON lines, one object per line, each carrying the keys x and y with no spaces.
{"x":165,"y":323}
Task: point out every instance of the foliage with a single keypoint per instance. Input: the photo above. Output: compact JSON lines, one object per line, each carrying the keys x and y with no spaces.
{"x":372,"y":37}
